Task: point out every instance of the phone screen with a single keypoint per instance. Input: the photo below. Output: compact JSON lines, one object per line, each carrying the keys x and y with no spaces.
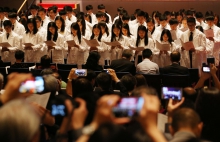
{"x":81,"y":72}
{"x":58,"y":110}
{"x":206,"y":69}
{"x":172,"y":92}
{"x":128,"y":107}
{"x":35,"y":85}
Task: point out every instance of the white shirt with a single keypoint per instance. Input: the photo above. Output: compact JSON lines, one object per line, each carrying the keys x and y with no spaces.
{"x":147,"y":67}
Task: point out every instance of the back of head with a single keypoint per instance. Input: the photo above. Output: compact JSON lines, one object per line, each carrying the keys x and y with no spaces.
{"x":146,"y":53}
{"x":175,"y":56}
{"x":19,"y":122}
{"x":141,"y":80}
{"x":127,"y":53}
{"x":92,"y":60}
{"x":45,"y":61}
{"x":144,"y":90}
{"x":50,"y":83}
{"x":19,"y":55}
{"x":185,"y":118}
{"x":104,"y":81}
{"x":80,"y":86}
{"x":129,"y":81}
{"x":46,"y":71}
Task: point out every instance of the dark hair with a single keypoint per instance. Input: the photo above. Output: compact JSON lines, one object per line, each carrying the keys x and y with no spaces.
{"x":126,"y":26}
{"x":23,"y":21}
{"x":101,"y":6}
{"x":125,"y":17}
{"x":104,"y":80}
{"x":199,"y":15}
{"x":163,"y":18}
{"x":100,"y":33}
{"x":209,"y":16}
{"x":113,"y":38}
{"x":7,"y":23}
{"x":151,"y":20}
{"x":141,"y":80}
{"x":62,"y":21}
{"x":103,"y":24}
{"x":189,"y":13}
{"x":49,"y":34}
{"x":19,"y":54}
{"x":120,"y":9}
{"x":68,"y":8}
{"x":33,"y":21}
{"x":191,"y":20}
{"x":99,"y":14}
{"x":173,"y":21}
{"x":143,"y":89}
{"x":75,"y":26}
{"x":90,"y":18}
{"x":89,"y":7}
{"x":175,"y":56}
{"x":106,"y":18}
{"x":92,"y":60}
{"x":62,"y":12}
{"x":166,"y":13}
{"x":81,"y":85}
{"x":45,"y":61}
{"x":37,"y":18}
{"x":12,"y":15}
{"x":41,"y":9}
{"x":82,"y":21}
{"x":127,"y":53}
{"x":142,"y":28}
{"x":200,"y":28}
{"x":129,"y":81}
{"x":146,"y":53}
{"x":53,"y":9}
{"x":141,"y":13}
{"x":167,"y":32}
{"x":33,"y":6}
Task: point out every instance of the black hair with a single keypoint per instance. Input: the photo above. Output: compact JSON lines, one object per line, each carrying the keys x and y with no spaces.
{"x":113,"y":38}
{"x":142,"y":28}
{"x":146,"y":53}
{"x":103,"y":24}
{"x":37,"y":18}
{"x":167,"y":32}
{"x":23,"y":21}
{"x":53,"y":9}
{"x":62,"y":29}
{"x":101,"y":6}
{"x":92,"y":60}
{"x":125,"y":17}
{"x":127,"y":53}
{"x":141,"y":13}
{"x":41,"y":9}
{"x":120,"y":9}
{"x":45,"y":61}
{"x":99,"y":14}
{"x":104,"y":80}
{"x":82,"y":21}
{"x":189,"y":13}
{"x":199,"y":15}
{"x":126,"y":26}
{"x":90,"y":18}
{"x":62,"y":12}
{"x":89,"y":7}
{"x":129,"y":81}
{"x":209,"y":16}
{"x":19,"y":54}
{"x":33,"y":6}
{"x":191,"y":20}
{"x":7,"y":23}
{"x":106,"y":18}
{"x":151,"y":20}
{"x":163,"y":18}
{"x":33,"y":21}
{"x":75,"y":26}
{"x":12,"y":15}
{"x":81,"y":85}
{"x":49,"y":34}
{"x":175,"y":56}
{"x":200,"y":28}
{"x":173,"y":21}
{"x":100,"y":33}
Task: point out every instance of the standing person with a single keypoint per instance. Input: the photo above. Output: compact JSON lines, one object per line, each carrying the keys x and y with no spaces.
{"x":101,"y":8}
{"x":192,"y":58}
{"x":32,"y":53}
{"x":76,"y":53}
{"x":116,"y":51}
{"x":52,"y":12}
{"x":60,"y":23}
{"x":2,"y":19}
{"x":44,"y":18}
{"x":16,"y":26}
{"x":163,"y":23}
{"x":55,"y":52}
{"x":89,"y":10}
{"x":152,"y":32}
{"x":8,"y":53}
{"x":41,"y":30}
{"x":70,"y":14}
{"x":33,"y":10}
{"x":67,"y":22}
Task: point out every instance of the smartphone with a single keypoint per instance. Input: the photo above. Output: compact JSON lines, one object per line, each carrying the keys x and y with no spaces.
{"x":210,"y":60}
{"x":106,"y":70}
{"x":171,"y":92}
{"x":58,"y":110}
{"x":35,"y":85}
{"x":205,"y":69}
{"x":128,"y":107}
{"x":81,"y":72}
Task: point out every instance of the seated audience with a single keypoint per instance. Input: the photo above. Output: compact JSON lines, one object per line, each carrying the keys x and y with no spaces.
{"x":141,"y":80}
{"x":175,"y":68}
{"x":129,"y":83}
{"x":92,"y":62}
{"x":45,"y":63}
{"x":124,"y":64}
{"x":19,"y":56}
{"x":147,"y":66}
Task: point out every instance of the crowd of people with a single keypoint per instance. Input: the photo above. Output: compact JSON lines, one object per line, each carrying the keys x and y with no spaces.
{"x":86,"y":104}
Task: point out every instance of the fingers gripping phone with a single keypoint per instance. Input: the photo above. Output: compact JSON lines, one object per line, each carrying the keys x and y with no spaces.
{"x":34,"y":85}
{"x":171,"y":92}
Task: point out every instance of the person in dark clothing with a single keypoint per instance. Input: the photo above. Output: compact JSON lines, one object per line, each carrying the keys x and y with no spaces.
{"x":92,"y":61}
{"x":19,"y":56}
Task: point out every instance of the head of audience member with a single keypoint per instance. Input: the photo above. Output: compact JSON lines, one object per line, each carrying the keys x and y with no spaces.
{"x":139,"y":91}
{"x":129,"y":81}
{"x":7,"y":26}
{"x":45,"y":61}
{"x":173,"y":23}
{"x":92,"y":60}
{"x":23,"y":127}
{"x":12,"y":17}
{"x":51,"y":84}
{"x":191,"y":23}
{"x":147,"y":54}
{"x":81,"y":85}
{"x":91,"y":75}
{"x":19,"y":56}
{"x":141,"y":80}
{"x":175,"y":57}
{"x":127,"y":54}
{"x":104,"y":81}
{"x":59,"y":79}
{"x":186,"y":119}
{"x":208,"y":114}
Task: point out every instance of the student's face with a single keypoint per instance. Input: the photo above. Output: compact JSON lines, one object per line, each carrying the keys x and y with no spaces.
{"x":51,"y":14}
{"x":191,"y":26}
{"x":69,"y":14}
{"x":89,"y":11}
{"x":150,"y":26}
{"x":42,"y":15}
{"x":12,"y":20}
{"x":210,"y":23}
{"x":163,"y":23}
{"x":116,"y":31}
{"x":141,"y":34}
{"x":173,"y":27}
{"x":165,"y":38}
{"x":58,"y":23}
{"x":34,"y":12}
{"x":8,"y":29}
{"x":103,"y":29}
{"x":64,"y":17}
{"x":52,"y":30}
{"x":30,"y":26}
{"x":74,"y":31}
{"x":216,"y":20}
{"x":124,"y":32}
{"x":38,"y":23}
{"x":179,"y":18}
{"x":96,"y":31}
{"x":199,"y":20}
{"x":184,"y":22}
{"x":141,"y":19}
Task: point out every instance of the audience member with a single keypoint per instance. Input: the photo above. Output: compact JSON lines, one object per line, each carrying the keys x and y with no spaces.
{"x":129,"y":83}
{"x":92,"y":61}
{"x":141,"y":80}
{"x":19,"y":56}
{"x":45,"y":63}
{"x":124,"y":64}
{"x":147,"y":66}
{"x":175,"y":68}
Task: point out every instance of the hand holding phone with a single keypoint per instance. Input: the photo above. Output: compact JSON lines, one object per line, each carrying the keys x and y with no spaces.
{"x":171,"y":92}
{"x":81,"y":72}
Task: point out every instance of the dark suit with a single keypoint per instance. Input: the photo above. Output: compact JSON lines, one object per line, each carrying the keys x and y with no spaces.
{"x":123,"y":65}
{"x":175,"y":69}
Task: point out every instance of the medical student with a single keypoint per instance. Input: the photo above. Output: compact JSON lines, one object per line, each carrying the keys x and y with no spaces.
{"x":76,"y":52}
{"x":55,"y":52}
{"x":17,"y":27}
{"x":8,"y":53}
{"x":32,"y":53}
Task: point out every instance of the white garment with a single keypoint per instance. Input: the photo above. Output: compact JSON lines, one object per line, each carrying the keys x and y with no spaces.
{"x":72,"y":18}
{"x":160,"y":28}
{"x":147,"y":67}
{"x":14,"y":41}
{"x":19,"y":29}
{"x":134,"y":28}
{"x":67,"y":25}
{"x":45,"y":23}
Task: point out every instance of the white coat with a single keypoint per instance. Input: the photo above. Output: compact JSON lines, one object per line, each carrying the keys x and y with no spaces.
{"x":19,"y":29}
